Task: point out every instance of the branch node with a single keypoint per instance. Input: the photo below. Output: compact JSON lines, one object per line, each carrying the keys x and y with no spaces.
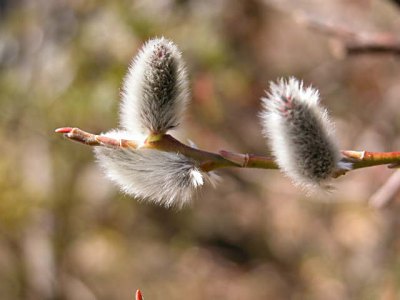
{"x":238,"y":158}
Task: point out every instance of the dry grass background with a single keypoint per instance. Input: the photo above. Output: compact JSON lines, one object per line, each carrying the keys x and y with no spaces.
{"x":67,"y":233}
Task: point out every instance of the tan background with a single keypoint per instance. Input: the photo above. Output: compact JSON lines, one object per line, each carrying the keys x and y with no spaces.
{"x":67,"y":233}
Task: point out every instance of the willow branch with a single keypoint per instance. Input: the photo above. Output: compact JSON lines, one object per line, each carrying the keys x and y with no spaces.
{"x":90,"y":139}
{"x":210,"y":161}
{"x":364,"y":159}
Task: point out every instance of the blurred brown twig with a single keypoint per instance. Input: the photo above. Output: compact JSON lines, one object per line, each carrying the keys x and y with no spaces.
{"x":386,"y":192}
{"x":349,"y":40}
{"x":354,"y":42}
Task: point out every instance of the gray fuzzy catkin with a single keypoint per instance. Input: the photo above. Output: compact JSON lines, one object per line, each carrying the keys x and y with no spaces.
{"x":300,"y":134}
{"x":155,"y":89}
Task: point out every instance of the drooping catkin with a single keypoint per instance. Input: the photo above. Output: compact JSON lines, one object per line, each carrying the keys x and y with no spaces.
{"x":165,"y":178}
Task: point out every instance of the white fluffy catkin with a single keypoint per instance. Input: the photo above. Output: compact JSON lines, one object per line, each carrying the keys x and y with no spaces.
{"x":154,"y":97}
{"x":165,"y":178}
{"x":155,"y":89}
{"x":300,"y":134}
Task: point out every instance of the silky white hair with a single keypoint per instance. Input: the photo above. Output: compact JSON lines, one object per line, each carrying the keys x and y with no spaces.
{"x":154,"y":97}
{"x":155,"y":90}
{"x":300,"y":133}
{"x":165,"y":178}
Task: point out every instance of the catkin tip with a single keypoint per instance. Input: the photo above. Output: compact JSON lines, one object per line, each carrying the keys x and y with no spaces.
{"x":155,"y":90}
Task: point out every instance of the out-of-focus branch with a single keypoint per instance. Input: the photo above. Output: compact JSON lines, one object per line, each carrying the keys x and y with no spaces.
{"x":386,"y":192}
{"x":211,"y":161}
{"x":351,"y":41}
{"x":354,"y":42}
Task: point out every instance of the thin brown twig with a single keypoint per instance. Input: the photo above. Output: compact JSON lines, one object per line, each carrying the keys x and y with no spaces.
{"x":211,"y":161}
{"x":83,"y":137}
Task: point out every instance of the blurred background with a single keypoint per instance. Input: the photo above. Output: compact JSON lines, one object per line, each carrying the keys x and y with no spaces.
{"x":67,"y":233}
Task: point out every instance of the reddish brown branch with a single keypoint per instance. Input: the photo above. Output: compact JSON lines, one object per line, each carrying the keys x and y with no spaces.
{"x":209,"y":161}
{"x":363,"y":159}
{"x":83,"y":137}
